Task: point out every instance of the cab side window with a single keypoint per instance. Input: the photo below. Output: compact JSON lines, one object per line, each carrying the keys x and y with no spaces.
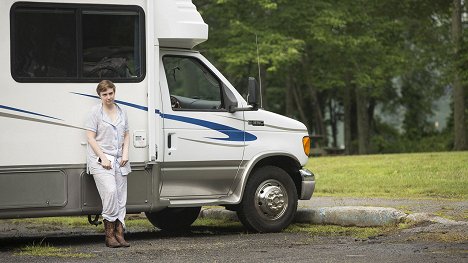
{"x":191,"y":85}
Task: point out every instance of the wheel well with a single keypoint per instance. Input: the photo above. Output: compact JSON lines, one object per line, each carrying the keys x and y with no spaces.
{"x":286,"y":163}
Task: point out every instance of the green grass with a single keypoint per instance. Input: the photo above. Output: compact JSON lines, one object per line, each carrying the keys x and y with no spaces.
{"x":332,"y":230}
{"x":419,"y":175}
{"x":226,"y":225}
{"x":444,"y":237}
{"x":212,"y":222}
{"x":80,"y":221}
{"x":45,"y":250}
{"x":72,"y":221}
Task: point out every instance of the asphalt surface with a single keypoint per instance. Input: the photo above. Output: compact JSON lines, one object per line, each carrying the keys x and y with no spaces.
{"x":427,"y":242}
{"x":233,"y":245}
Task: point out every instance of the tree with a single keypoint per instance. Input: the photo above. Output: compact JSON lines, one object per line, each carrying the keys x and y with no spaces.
{"x":324,"y":60}
{"x":458,"y":86}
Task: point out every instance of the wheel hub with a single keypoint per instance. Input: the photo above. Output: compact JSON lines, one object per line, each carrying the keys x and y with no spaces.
{"x":271,"y":200}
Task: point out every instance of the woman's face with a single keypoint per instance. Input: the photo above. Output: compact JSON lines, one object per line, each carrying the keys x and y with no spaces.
{"x":107,"y":96}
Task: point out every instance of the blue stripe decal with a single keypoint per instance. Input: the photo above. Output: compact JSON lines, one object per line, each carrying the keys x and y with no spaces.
{"x":233,"y":134}
{"x":117,"y":101}
{"x":28,"y":112}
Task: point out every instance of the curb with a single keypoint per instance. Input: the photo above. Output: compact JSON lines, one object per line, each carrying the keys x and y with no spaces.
{"x":362,"y":216}
{"x":419,"y":218}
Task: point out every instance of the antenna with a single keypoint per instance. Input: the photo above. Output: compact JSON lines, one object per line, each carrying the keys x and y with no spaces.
{"x":259,"y":75}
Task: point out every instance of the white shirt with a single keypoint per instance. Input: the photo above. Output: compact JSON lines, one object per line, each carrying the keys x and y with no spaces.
{"x":110,"y":137}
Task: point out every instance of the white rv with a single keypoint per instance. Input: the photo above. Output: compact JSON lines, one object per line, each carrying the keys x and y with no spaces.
{"x":194,"y":140}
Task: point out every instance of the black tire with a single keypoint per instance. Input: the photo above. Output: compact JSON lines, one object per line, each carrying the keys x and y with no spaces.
{"x":174,"y":219}
{"x":273,"y":209}
{"x":232,"y":207}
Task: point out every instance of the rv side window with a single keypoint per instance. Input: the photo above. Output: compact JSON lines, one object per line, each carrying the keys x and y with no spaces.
{"x":76,"y":43}
{"x":110,"y":45}
{"x":45,"y":47}
{"x":191,"y":85}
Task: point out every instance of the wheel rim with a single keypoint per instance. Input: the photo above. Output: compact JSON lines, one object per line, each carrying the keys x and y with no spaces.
{"x":271,"y":199}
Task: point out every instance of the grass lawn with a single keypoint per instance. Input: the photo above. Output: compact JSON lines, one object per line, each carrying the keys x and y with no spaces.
{"x":417,"y":175}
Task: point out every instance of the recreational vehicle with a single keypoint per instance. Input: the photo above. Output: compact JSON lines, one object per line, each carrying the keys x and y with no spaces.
{"x":195,"y":141}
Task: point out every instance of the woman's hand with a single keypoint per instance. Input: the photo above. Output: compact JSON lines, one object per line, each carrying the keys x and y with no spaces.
{"x":97,"y":150}
{"x":124,"y":161}
{"x":126,"y":141}
{"x":106,"y":164}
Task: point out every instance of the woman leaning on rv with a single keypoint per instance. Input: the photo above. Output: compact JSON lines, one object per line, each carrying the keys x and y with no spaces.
{"x":107,"y":160}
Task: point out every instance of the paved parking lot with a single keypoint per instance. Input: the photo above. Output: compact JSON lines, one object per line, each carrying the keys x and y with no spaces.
{"x":215,"y":244}
{"x":421,"y":243}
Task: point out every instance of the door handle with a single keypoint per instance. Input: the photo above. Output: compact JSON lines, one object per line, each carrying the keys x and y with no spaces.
{"x":169,"y":140}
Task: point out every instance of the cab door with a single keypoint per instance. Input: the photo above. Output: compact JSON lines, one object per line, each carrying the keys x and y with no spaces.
{"x":204,"y":143}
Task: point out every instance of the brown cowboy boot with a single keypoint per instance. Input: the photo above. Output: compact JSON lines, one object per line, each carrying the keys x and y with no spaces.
{"x":119,"y":234}
{"x":109,"y":228}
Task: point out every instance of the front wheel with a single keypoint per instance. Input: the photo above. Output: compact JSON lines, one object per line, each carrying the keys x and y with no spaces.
{"x":269,"y":202}
{"x":174,"y":219}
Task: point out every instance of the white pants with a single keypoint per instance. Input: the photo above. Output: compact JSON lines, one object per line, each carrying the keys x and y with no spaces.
{"x":113,"y":192}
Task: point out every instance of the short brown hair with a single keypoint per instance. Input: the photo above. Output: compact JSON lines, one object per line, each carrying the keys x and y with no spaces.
{"x":104,"y":85}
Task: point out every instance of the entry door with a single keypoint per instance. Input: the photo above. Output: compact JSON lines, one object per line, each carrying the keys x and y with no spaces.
{"x":204,"y":143}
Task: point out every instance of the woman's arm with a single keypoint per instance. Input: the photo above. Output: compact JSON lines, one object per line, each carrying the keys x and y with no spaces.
{"x":126,"y":142}
{"x":97,"y":150}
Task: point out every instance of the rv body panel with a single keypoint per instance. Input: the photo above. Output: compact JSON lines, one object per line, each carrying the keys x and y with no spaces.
{"x":179,"y":24}
{"x":43,"y":142}
{"x":275,"y":133}
{"x":194,"y":139}
{"x":204,"y":146}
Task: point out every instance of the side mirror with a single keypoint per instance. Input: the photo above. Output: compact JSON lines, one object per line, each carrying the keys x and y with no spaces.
{"x":230,"y":102}
{"x":252,"y":97}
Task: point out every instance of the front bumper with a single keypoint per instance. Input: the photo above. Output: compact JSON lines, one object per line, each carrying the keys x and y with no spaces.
{"x":307,"y":184}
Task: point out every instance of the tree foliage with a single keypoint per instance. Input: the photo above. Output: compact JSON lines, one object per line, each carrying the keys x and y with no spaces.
{"x":325,"y":62}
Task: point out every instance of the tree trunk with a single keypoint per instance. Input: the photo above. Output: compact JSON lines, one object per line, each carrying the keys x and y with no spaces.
{"x":362,"y":120}
{"x":288,"y":96}
{"x":298,"y":102}
{"x":262,"y":82}
{"x":318,"y":116}
{"x":458,"y":88}
{"x":347,"y":100}
{"x":333,"y":122}
{"x":317,"y":121}
{"x":372,"y":103}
